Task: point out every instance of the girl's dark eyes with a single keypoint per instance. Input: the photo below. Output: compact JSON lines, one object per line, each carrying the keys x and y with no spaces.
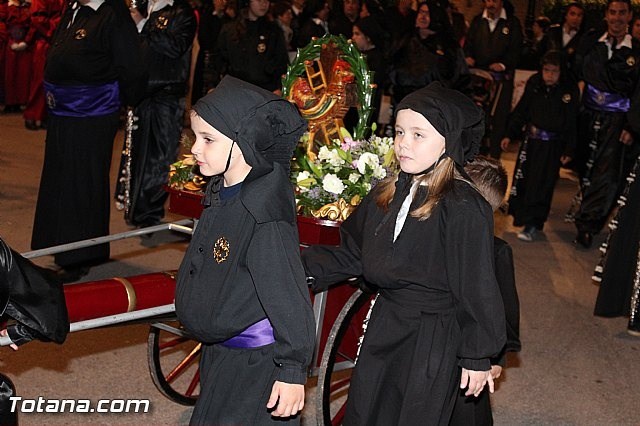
{"x":208,"y":140}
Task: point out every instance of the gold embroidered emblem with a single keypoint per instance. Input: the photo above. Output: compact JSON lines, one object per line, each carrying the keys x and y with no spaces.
{"x":221,"y":250}
{"x":631,"y":61}
{"x":600,"y":99}
{"x":570,"y":51}
{"x":261,"y":47}
{"x":80,"y":34}
{"x":162,"y":22}
{"x":440,"y":52}
{"x":505,"y":31}
{"x":566,"y":98}
{"x":51,"y":100}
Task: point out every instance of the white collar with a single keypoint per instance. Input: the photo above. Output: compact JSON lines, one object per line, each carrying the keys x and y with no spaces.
{"x":503,"y":15}
{"x":155,"y":5}
{"x":626,"y":41}
{"x":93,"y":4}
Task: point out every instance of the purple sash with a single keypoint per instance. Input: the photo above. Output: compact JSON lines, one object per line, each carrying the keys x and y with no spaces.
{"x":540,"y":134}
{"x":254,"y":336}
{"x":605,"y":101}
{"x":82,"y":101}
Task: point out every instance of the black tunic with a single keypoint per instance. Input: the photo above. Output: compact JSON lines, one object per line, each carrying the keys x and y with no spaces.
{"x":439,"y":306}
{"x":553,"y":109}
{"x":568,"y":51}
{"x":503,"y":45}
{"x":166,"y":40}
{"x":73,"y":201}
{"x":256,"y":54}
{"x":261,"y":277}
{"x":599,"y":131}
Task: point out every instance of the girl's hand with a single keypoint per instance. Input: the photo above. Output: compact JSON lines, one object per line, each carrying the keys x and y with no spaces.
{"x":287,"y":398}
{"x":4,"y":333}
{"x":475,"y":380}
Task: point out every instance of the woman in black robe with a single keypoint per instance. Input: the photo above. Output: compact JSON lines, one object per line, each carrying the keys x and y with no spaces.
{"x":425,"y":239}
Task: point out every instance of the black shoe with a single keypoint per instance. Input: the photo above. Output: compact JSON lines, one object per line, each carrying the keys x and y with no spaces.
{"x":31,"y":125}
{"x":71,"y":273}
{"x":585,"y":239}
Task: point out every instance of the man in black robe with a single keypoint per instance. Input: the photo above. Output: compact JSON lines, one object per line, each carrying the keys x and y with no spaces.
{"x":166,"y":37}
{"x":566,"y":37}
{"x":493,"y":43}
{"x":609,"y":69}
{"x":93,"y":66}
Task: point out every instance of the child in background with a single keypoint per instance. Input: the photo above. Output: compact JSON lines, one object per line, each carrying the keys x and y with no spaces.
{"x":490,"y":179}
{"x":548,"y":110}
{"x":241,"y":287}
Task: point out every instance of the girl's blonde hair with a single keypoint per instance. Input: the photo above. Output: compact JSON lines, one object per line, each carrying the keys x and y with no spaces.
{"x":439,"y":181}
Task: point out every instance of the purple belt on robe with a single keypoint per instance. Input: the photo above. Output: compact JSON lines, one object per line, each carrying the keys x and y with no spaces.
{"x":82,"y":101}
{"x":254,"y":336}
{"x":600,"y":100}
{"x":540,"y":134}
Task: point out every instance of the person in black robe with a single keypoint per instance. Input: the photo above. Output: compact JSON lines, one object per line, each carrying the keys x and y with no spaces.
{"x":494,"y":43}
{"x":428,"y":55}
{"x":241,"y":287}
{"x":491,"y":180}
{"x":212,"y":19}
{"x":93,"y":66}
{"x":33,"y":299}
{"x":548,"y":111}
{"x":317,"y":25}
{"x":619,"y":268}
{"x":252,"y":48}
{"x":342,"y":22}
{"x":166,"y":35}
{"x":424,"y":238}
{"x":609,"y":66}
{"x":566,"y":37}
{"x":535,"y":47}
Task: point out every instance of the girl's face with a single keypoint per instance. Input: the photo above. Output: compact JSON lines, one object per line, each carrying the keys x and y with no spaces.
{"x":211,"y":151}
{"x":635,"y":29}
{"x":423,"y":18}
{"x":362,"y":42}
{"x":417,"y":144}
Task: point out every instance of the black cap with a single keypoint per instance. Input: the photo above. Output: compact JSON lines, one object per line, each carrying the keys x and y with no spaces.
{"x":453,"y":115}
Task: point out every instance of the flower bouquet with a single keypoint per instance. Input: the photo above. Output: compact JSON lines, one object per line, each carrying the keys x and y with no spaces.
{"x":332,"y":184}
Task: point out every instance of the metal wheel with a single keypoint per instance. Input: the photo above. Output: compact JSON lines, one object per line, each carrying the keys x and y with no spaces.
{"x":339,"y":358}
{"x":174,"y":359}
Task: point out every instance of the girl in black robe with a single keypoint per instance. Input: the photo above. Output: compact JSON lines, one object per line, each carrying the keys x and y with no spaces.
{"x":425,"y":239}
{"x":241,"y":287}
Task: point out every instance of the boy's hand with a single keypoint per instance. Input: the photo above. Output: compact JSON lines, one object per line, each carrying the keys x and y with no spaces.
{"x":504,"y":144}
{"x":626,"y":137}
{"x":288,"y":399}
{"x":564,"y":160}
{"x":476,"y":381}
{"x":496,"y":371}
{"x":4,"y":333}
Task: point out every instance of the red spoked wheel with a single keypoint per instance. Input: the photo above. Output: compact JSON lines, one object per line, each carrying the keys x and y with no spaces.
{"x":174,"y":359}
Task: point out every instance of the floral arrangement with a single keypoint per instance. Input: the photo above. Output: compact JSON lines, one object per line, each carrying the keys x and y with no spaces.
{"x":334,"y":182}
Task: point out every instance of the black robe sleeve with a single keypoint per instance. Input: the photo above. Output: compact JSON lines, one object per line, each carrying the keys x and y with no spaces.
{"x":33,"y":298}
{"x":470,"y":272}
{"x":521,"y":114}
{"x":284,"y":296}
{"x":173,"y":40}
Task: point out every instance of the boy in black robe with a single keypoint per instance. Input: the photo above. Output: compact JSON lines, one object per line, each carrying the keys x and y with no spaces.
{"x":548,"y":110}
{"x":491,"y":180}
{"x":241,"y":287}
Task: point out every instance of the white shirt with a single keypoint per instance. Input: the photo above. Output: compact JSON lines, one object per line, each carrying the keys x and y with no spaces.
{"x":93,"y":4}
{"x":404,"y":211}
{"x":606,"y":39}
{"x":494,"y":22}
{"x":567,"y":36}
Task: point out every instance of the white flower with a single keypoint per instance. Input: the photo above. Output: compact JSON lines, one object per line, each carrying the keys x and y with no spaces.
{"x":354,"y":177}
{"x":384,"y":145}
{"x":323,"y":153}
{"x":331,"y":156}
{"x":304,"y":181}
{"x":367,"y":186}
{"x":379,"y":172}
{"x":332,"y":183}
{"x":367,"y":158}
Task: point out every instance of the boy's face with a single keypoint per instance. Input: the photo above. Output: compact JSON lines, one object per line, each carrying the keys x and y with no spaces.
{"x":423,"y":18}
{"x":574,"y":18}
{"x":211,"y":148}
{"x":361,"y":41}
{"x":550,"y":74}
{"x":417,"y":144}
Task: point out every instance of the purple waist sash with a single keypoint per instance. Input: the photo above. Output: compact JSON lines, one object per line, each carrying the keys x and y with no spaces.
{"x":540,"y":134}
{"x":254,"y":336}
{"x":600,"y":100}
{"x":82,"y":101}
